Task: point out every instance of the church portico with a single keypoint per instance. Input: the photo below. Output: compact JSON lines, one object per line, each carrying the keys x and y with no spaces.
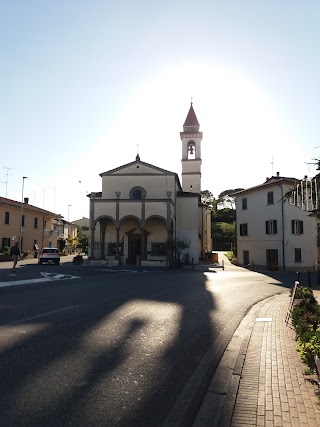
{"x":131,"y":241}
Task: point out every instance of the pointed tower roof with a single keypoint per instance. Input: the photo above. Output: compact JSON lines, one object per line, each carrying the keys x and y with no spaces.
{"x":191,"y":123}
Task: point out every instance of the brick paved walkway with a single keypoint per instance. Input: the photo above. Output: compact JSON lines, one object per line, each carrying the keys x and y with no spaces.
{"x":273,"y":389}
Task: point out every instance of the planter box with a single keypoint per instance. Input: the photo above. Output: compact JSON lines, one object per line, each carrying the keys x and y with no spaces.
{"x":151,"y":263}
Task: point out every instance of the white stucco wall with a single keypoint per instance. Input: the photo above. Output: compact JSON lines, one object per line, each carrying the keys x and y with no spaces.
{"x":187,"y":224}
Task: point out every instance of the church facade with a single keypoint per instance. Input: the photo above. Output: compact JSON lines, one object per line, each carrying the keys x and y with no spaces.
{"x":143,"y":213}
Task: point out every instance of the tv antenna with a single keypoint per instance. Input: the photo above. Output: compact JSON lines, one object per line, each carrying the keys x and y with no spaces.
{"x":272,"y":163}
{"x":7,"y":178}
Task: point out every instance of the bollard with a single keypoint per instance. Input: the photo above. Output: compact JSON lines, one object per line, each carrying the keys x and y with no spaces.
{"x":223,"y":264}
{"x":252,"y":265}
{"x":298,"y":276}
{"x":192,"y":263}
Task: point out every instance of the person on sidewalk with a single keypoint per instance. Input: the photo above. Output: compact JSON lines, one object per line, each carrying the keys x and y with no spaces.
{"x":15,"y":253}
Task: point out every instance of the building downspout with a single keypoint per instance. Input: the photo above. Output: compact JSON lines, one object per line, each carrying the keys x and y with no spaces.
{"x":175,"y":221}
{"x":202,"y":243}
{"x":282,"y":221}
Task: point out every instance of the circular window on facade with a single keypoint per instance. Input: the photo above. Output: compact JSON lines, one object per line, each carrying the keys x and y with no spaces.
{"x":137,"y":193}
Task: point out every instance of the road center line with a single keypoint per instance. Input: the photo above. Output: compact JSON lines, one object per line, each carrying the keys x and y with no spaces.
{"x":48,"y":313}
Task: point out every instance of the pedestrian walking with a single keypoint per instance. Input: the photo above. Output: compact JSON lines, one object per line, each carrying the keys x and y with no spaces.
{"x":15,"y":253}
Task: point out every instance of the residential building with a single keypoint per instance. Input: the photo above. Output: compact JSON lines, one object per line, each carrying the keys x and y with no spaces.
{"x":273,"y":234}
{"x":83,"y":224}
{"x":37,"y":226}
{"x":142,"y":208}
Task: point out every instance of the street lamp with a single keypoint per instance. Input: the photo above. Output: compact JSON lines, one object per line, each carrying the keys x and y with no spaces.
{"x":68,"y":225}
{"x":20,"y":237}
{"x":68,"y":219}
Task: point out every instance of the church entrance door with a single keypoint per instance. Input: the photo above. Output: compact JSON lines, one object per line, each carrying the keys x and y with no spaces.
{"x":134,"y":248}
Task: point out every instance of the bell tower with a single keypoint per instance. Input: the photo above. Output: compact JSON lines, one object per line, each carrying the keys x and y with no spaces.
{"x":191,"y":153}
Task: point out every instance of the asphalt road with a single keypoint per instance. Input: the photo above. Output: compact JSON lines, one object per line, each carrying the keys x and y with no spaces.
{"x":95,"y":346}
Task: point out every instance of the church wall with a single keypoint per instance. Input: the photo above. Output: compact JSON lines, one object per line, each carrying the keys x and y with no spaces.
{"x":156,"y":208}
{"x":105,"y":208}
{"x":135,"y":169}
{"x":156,"y":186}
{"x":187,"y":213}
{"x":157,"y":230}
{"x":187,"y":224}
{"x":128,"y":208}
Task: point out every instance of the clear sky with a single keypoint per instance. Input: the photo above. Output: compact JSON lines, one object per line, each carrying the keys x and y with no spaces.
{"x":85,"y":84}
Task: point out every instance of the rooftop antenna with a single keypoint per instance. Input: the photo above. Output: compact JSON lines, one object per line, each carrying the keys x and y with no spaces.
{"x":272,"y":163}
{"x":7,"y":179}
{"x":55,"y":198}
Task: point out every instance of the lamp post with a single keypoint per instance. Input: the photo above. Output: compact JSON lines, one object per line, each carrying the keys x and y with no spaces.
{"x":68,"y":225}
{"x":68,"y":217}
{"x":20,"y":237}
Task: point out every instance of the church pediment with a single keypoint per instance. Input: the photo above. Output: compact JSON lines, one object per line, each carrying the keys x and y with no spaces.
{"x":137,"y":168}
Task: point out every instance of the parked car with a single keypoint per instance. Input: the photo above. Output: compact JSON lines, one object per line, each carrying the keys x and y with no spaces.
{"x":49,"y":255}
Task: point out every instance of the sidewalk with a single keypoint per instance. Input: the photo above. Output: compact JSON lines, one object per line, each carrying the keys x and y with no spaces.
{"x":260,"y":380}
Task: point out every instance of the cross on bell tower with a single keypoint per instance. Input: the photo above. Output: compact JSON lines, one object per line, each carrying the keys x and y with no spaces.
{"x":191,"y":153}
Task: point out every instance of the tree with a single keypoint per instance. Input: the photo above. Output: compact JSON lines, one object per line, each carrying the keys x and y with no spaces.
{"x":226,"y":199}
{"x":207,"y":198}
{"x":176,"y":247}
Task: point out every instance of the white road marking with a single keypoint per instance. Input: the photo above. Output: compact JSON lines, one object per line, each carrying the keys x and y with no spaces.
{"x":24,"y":282}
{"x":56,"y":276}
{"x":48,"y":277}
{"x":38,"y":316}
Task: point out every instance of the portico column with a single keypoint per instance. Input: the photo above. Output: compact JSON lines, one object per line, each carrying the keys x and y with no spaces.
{"x":117,"y":243}
{"x":102,"y":240}
{"x":92,"y":228}
{"x":91,"y":246}
{"x":143,"y":243}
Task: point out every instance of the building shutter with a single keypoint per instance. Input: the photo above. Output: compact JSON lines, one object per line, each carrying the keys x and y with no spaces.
{"x":292,"y":226}
{"x":301,"y":227}
{"x":267,"y":228}
{"x":275,"y":226}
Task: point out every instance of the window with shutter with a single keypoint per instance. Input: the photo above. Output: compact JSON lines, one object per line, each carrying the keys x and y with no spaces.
{"x":270,"y":198}
{"x":271,"y":226}
{"x":297,"y":255}
{"x":244,"y":229}
{"x":244,"y":204}
{"x":297,"y":226}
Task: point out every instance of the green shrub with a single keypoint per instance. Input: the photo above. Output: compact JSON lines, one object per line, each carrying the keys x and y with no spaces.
{"x":5,"y":250}
{"x":309,"y":349}
{"x":306,"y":320}
{"x":304,"y":292}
